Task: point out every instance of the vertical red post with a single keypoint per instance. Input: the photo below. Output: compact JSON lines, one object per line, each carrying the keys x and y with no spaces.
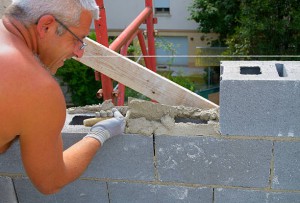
{"x":144,"y":49}
{"x":126,"y":36}
{"x":102,"y":38}
{"x":151,"y":36}
{"x":121,"y":87}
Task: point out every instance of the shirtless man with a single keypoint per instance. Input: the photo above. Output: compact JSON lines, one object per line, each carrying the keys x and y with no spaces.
{"x":36,"y":37}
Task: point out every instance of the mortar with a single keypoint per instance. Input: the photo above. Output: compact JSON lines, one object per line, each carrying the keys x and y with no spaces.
{"x":149,"y":118}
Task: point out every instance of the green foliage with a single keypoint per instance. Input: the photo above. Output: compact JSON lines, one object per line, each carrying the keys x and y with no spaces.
{"x":134,"y":94}
{"x":168,"y":47}
{"x":271,"y":27}
{"x":218,"y":16}
{"x":182,"y":81}
{"x":252,"y":27}
{"x":92,"y":36}
{"x":81,"y":82}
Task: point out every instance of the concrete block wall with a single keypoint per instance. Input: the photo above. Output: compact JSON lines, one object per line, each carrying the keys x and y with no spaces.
{"x":171,"y":168}
{"x":260,"y":98}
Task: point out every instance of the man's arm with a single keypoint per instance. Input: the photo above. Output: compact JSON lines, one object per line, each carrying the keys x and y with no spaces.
{"x":48,"y":167}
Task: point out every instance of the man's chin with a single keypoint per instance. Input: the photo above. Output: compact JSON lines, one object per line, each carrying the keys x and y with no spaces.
{"x":53,"y":69}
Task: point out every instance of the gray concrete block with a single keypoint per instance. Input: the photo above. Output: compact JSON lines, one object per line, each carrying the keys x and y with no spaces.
{"x":76,"y":128}
{"x":76,"y":192}
{"x":7,"y":191}
{"x":260,"y":98}
{"x":211,"y":161}
{"x":252,"y":196}
{"x":286,"y":166}
{"x":122,"y":157}
{"x":131,"y":192}
{"x":283,"y":197}
{"x":10,"y":161}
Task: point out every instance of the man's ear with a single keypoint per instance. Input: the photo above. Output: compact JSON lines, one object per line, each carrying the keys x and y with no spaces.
{"x":45,"y":25}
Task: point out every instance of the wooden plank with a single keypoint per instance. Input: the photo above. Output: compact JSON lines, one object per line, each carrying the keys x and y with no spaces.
{"x":139,"y":78}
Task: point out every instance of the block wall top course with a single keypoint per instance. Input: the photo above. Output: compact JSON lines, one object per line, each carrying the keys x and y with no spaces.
{"x":260,"y":70}
{"x":76,"y":128}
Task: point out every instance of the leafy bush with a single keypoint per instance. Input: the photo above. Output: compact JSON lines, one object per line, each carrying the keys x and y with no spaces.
{"x":182,"y":81}
{"x":81,"y":82}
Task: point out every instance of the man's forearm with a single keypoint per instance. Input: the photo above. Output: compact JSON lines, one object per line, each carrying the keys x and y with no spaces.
{"x":78,"y":157}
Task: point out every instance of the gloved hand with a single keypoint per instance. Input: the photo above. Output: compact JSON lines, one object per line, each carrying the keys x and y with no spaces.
{"x":106,"y":129}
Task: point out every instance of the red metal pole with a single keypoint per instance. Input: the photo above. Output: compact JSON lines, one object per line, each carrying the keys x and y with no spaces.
{"x":150,"y":35}
{"x":126,"y":36}
{"x":121,"y":87}
{"x":102,"y":38}
{"x":130,"y":30}
{"x":144,"y":49}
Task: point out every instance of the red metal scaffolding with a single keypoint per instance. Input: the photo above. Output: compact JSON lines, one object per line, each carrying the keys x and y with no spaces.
{"x":121,"y":44}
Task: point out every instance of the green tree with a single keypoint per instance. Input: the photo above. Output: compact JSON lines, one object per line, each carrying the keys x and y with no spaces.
{"x":268,"y":27}
{"x":252,"y":27}
{"x":218,"y":16}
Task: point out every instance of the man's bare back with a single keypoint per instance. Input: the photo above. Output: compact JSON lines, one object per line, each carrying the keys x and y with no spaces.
{"x":19,"y":71}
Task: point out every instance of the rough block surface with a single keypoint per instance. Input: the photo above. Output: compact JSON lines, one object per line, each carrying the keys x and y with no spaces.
{"x":253,"y":196}
{"x":124,"y":157}
{"x":7,"y":191}
{"x":286,"y":166}
{"x":177,"y":169}
{"x":76,"y":192}
{"x":147,"y":193}
{"x":10,"y":161}
{"x":213,"y":161}
{"x":260,"y":98}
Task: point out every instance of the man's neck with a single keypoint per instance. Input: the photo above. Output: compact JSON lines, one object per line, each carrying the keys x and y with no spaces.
{"x":25,"y":34}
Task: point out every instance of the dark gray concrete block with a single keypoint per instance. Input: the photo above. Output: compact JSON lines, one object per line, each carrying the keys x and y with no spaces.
{"x":283,"y":197}
{"x":260,"y":103}
{"x":7,"y":191}
{"x":254,"y":196}
{"x":239,"y":196}
{"x":213,"y":161}
{"x":286,"y":166}
{"x":147,"y":193}
{"x":10,"y":161}
{"x":122,"y":157}
{"x":77,"y":192}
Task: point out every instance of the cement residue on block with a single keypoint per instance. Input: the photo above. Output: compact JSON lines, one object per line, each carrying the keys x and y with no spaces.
{"x":150,"y":118}
{"x":155,"y":111}
{"x":105,"y":106}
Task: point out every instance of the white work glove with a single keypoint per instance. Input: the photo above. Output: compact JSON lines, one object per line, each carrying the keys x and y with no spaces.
{"x":106,"y":129}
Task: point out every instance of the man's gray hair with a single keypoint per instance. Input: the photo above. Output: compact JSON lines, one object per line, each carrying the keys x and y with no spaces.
{"x":67,"y":11}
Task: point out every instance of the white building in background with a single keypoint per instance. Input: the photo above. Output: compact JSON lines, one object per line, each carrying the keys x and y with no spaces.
{"x":173,"y":27}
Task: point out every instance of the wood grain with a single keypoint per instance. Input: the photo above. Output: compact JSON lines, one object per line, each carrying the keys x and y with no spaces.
{"x":139,"y":78}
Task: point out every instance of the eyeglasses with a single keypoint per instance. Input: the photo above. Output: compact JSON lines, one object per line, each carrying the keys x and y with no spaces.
{"x":64,"y":26}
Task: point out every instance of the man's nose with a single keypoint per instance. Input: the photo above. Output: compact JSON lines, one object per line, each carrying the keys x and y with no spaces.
{"x":78,"y":52}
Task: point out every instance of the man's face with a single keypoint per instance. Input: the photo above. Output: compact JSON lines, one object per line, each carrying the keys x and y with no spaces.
{"x":58,"y":48}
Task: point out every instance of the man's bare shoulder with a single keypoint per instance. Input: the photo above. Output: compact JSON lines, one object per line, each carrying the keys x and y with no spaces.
{"x":29,"y":94}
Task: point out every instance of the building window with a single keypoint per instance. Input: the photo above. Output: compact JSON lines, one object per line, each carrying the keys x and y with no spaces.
{"x":162,"y":6}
